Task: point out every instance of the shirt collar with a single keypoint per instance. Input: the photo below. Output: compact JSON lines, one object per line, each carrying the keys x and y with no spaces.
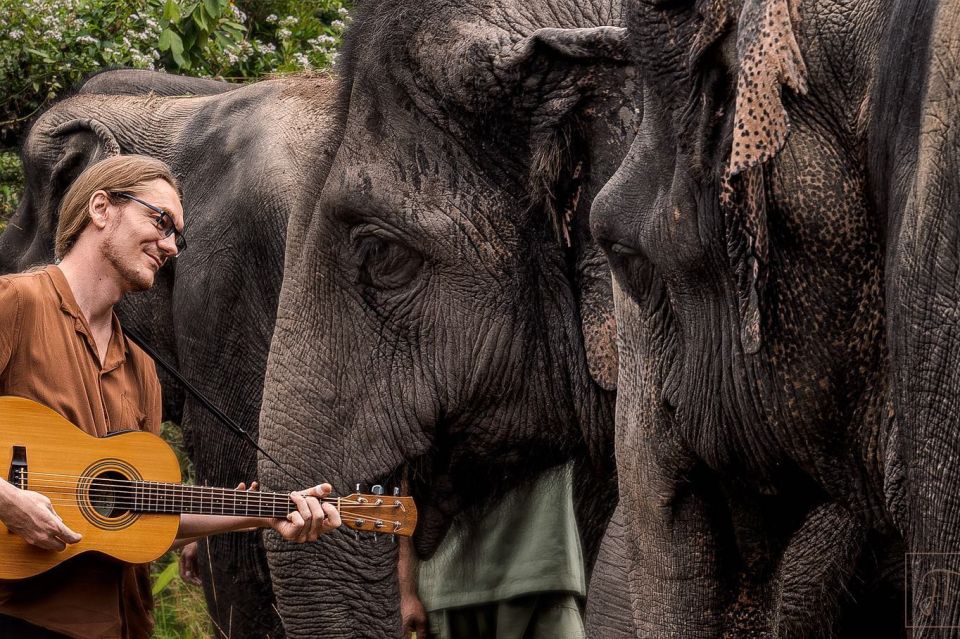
{"x":117,"y":348}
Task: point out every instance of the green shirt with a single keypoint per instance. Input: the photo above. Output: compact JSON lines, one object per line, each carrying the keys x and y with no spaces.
{"x":529,"y":543}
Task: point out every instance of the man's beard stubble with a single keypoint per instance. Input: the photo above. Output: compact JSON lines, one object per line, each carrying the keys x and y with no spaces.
{"x":135,"y":279}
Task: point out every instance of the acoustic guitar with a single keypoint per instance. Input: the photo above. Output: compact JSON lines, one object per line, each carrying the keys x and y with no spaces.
{"x":123,"y":492}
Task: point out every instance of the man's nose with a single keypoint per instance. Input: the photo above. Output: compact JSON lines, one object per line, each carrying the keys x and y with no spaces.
{"x":169,"y":245}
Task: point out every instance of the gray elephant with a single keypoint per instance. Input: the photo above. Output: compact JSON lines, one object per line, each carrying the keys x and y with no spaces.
{"x":212,"y":311}
{"x":444,"y":308}
{"x":783,"y":239}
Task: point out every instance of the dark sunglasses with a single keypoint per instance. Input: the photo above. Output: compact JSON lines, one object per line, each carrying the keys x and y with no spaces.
{"x":163,"y":220}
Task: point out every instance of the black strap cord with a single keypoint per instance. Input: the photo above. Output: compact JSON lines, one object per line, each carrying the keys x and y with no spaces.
{"x":216,"y":412}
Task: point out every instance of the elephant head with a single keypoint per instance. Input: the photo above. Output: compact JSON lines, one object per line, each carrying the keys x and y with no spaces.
{"x":211,"y":312}
{"x":444,"y":308}
{"x":752,"y":422}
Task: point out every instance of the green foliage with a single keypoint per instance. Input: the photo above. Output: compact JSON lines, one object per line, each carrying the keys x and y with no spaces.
{"x":48,"y":46}
{"x":180,"y":611}
{"x":11,"y":179}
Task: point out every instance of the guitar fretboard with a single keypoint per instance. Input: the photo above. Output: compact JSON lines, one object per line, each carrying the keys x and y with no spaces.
{"x":163,"y":498}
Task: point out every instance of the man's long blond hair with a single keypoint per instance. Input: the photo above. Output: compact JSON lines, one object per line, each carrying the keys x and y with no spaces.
{"x":116,"y":174}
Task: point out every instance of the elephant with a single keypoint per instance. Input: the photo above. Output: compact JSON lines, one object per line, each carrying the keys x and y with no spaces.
{"x":782,"y":239}
{"x":212,"y":311}
{"x":140,"y":82}
{"x":445,"y":313}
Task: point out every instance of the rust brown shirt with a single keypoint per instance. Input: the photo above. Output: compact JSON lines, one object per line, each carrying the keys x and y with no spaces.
{"x":47,"y":354}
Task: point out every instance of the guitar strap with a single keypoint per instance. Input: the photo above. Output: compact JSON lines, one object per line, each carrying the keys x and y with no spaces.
{"x":206,"y":403}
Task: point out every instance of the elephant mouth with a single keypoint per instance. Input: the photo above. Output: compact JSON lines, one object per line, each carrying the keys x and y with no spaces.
{"x":437,"y":503}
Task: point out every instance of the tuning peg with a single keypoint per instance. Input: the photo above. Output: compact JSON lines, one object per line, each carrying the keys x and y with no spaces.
{"x":396,"y":491}
{"x":393,"y":539}
{"x":377,"y":489}
{"x":358,"y":488}
{"x":356,"y":535}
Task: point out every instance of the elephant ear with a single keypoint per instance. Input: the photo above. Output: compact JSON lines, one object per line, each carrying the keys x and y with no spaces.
{"x":768,"y":57}
{"x":86,"y":141}
{"x":567,"y":67}
{"x":550,"y":78}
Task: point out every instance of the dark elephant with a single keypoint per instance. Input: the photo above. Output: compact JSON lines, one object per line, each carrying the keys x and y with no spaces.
{"x":783,"y":240}
{"x":247,"y":159}
{"x":444,"y":308}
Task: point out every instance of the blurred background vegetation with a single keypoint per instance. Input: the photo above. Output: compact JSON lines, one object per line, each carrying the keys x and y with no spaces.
{"x":48,"y":47}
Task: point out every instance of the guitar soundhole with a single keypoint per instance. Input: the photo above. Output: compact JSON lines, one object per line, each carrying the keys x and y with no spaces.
{"x":110,"y":495}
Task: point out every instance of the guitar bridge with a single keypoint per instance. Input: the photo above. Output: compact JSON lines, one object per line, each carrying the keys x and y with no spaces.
{"x":18,"y":468}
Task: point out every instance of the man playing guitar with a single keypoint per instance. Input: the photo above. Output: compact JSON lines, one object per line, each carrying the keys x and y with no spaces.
{"x":61,"y":345}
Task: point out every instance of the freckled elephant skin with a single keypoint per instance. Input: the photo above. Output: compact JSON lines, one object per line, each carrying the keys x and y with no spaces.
{"x":444,"y":308}
{"x":212,"y":311}
{"x":782,"y":235}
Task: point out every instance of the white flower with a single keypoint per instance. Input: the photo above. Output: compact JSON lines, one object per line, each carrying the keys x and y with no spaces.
{"x":327,"y":40}
{"x":302,"y":60}
{"x":289,"y":21}
{"x":284,"y":34}
{"x":50,"y":34}
{"x":86,"y":39}
{"x":233,"y":59}
{"x":238,"y":15}
{"x":152,"y":24}
{"x":337,"y":24}
{"x":156,"y":54}
{"x":16,"y":34}
{"x":271,"y":18}
{"x":343,"y":11}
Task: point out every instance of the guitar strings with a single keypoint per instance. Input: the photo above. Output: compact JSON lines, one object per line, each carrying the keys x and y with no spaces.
{"x":169,"y":488}
{"x":265,"y":501}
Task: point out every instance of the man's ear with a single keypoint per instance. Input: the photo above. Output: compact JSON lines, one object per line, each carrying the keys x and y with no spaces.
{"x":97,"y":207}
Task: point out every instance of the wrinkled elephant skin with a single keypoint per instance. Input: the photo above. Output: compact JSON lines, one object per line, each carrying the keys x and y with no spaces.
{"x":444,"y":308}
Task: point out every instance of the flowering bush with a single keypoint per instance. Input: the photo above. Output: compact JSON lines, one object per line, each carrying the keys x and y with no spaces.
{"x":48,"y":46}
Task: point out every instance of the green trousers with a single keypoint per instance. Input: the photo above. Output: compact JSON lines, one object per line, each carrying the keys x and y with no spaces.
{"x":550,"y":615}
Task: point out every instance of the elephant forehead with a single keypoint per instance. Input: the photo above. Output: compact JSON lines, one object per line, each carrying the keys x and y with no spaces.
{"x":430,"y":211}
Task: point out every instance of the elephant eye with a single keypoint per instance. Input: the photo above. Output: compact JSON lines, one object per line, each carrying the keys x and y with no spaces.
{"x":385,"y":263}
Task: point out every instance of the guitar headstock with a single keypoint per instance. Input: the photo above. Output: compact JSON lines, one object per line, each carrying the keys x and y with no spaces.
{"x":390,"y":515}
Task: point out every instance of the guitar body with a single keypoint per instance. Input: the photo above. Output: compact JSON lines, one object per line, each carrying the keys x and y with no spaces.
{"x":75,"y":470}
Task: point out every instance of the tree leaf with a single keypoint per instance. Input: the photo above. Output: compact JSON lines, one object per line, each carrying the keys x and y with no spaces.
{"x":165,"y":577}
{"x":165,"y":36}
{"x":171,"y":11}
{"x":213,"y":8}
{"x":200,"y":19}
{"x":176,"y":49}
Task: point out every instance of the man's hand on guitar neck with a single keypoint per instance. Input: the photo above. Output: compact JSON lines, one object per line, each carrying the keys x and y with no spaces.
{"x":31,"y":516}
{"x":311,"y":519}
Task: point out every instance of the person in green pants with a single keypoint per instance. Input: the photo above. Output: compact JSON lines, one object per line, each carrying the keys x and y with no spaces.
{"x":519,"y":575}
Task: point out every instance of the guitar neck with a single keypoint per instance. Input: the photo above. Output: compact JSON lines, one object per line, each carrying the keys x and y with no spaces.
{"x":165,"y":498}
